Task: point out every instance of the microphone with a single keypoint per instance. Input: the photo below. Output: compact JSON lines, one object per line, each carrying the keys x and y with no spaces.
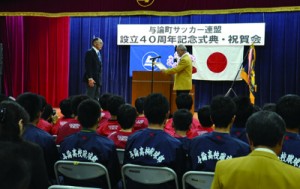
{"x":153,"y":58}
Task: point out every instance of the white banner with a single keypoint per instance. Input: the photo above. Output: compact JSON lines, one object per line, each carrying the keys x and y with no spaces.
{"x":242,"y":34}
{"x":217,"y":63}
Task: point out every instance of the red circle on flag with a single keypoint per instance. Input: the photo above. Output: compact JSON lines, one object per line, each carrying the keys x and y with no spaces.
{"x":216,"y":62}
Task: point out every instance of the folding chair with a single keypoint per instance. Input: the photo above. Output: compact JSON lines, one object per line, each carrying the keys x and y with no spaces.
{"x":120,"y":155}
{"x":80,"y":170}
{"x":197,"y":179}
{"x":148,"y":174}
{"x":54,"y":137}
{"x":69,"y":187}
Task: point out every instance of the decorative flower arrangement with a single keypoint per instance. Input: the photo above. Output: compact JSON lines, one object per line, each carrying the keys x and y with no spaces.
{"x":172,"y":61}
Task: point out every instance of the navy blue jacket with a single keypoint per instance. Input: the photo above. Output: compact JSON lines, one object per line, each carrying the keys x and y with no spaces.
{"x":155,"y":148}
{"x":46,"y":142}
{"x":239,"y":133}
{"x":291,"y":149}
{"x":206,"y":150}
{"x":87,"y":145}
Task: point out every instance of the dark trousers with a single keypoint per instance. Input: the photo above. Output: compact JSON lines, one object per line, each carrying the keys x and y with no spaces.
{"x":93,"y":92}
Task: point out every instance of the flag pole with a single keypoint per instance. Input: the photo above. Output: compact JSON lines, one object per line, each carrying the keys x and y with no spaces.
{"x":235,"y":78}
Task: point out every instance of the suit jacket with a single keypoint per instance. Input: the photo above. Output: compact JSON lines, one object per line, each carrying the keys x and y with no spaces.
{"x":93,"y":67}
{"x":259,"y":170}
{"x":183,"y":73}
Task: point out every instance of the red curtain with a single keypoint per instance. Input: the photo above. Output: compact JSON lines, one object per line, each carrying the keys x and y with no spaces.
{"x":36,"y":57}
{"x":13,"y":54}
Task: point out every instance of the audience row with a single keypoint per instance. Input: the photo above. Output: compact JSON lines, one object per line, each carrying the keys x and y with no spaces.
{"x":92,"y":131}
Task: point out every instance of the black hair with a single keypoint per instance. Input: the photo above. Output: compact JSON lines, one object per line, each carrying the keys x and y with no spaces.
{"x":265,"y":128}
{"x":103,"y":100}
{"x":66,"y":108}
{"x":244,"y":110}
{"x":139,"y":104}
{"x":126,"y":116}
{"x":156,"y":108}
{"x":269,"y":107}
{"x":3,"y":97}
{"x":288,"y":107}
{"x":10,"y":114}
{"x":222,"y":110}
{"x":204,"y":116}
{"x":184,"y":101}
{"x":43,"y":102}
{"x":89,"y":113}
{"x":96,"y":39}
{"x":114,"y":102}
{"x":31,"y":103}
{"x":76,"y":100}
{"x":182,"y":120}
{"x":47,"y":113}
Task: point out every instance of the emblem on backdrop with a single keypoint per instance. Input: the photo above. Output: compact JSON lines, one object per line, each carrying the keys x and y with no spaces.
{"x":145,"y":3}
{"x":147,"y":62}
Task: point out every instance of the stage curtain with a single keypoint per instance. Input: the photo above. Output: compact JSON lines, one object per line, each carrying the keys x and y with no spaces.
{"x":47,"y":57}
{"x":13,"y":54}
{"x":132,"y":7}
{"x":115,"y":58}
{"x":36,"y":56}
{"x":277,"y":65}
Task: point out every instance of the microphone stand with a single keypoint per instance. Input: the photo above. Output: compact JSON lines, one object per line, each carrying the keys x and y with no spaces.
{"x":152,"y":76}
{"x":241,"y":66}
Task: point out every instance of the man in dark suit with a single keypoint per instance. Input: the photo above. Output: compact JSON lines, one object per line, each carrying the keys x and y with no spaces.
{"x":93,"y":68}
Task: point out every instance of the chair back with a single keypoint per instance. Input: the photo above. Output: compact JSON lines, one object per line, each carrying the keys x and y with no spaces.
{"x":148,"y":174}
{"x":69,"y":187}
{"x":197,"y":179}
{"x":120,"y":153}
{"x":80,"y":170}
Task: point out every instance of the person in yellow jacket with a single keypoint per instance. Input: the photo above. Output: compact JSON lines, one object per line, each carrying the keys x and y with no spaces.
{"x":261,"y":169}
{"x":183,"y":71}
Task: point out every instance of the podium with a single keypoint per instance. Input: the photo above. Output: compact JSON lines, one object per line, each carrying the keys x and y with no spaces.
{"x":162,"y":83}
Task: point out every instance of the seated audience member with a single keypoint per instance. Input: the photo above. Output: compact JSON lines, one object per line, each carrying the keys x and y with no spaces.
{"x":103,"y":100}
{"x":126,"y":118}
{"x":22,"y":162}
{"x":87,"y":145}
{"x":15,"y":172}
{"x":111,"y":125}
{"x":243,"y":111}
{"x":152,"y":146}
{"x":205,"y":121}
{"x":207,"y":149}
{"x":288,"y":107}
{"x":269,"y":107}
{"x":184,"y":101}
{"x":42,"y":123}
{"x":32,"y":104}
{"x":141,"y":121}
{"x":66,"y":111}
{"x":182,"y":120}
{"x":3,"y":97}
{"x":73,"y":125}
{"x":49,"y":114}
{"x":261,"y":168}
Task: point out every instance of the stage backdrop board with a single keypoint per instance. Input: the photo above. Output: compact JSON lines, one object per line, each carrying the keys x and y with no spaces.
{"x":140,"y":57}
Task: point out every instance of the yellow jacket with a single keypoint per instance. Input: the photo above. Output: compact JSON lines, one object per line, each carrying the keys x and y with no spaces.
{"x":258,"y":170}
{"x":183,"y":73}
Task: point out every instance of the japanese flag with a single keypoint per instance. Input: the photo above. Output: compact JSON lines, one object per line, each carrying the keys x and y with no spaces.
{"x":218,"y":63}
